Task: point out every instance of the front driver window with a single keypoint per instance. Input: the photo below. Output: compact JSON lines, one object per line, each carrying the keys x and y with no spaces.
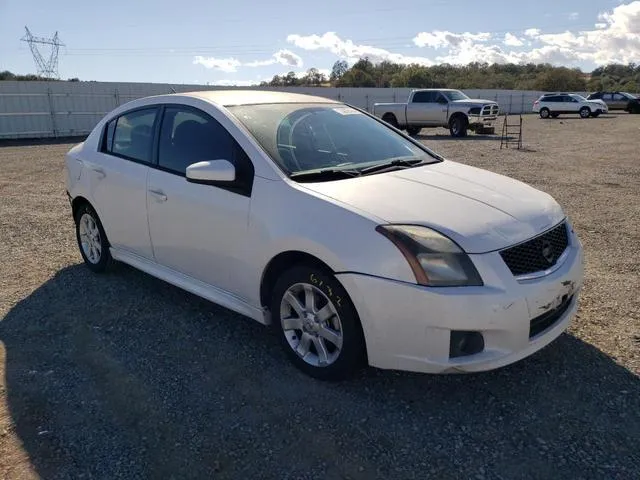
{"x":188,"y":136}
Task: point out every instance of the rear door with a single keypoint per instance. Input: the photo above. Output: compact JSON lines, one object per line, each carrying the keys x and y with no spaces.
{"x":618,"y":101}
{"x":118,"y":176}
{"x":424,"y":109}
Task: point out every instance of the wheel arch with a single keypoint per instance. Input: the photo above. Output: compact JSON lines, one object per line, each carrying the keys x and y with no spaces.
{"x":78,"y":202}
{"x":282,"y":262}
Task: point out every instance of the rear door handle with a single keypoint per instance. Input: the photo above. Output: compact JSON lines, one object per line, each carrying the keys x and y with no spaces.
{"x":159,"y":194}
{"x":99,"y":171}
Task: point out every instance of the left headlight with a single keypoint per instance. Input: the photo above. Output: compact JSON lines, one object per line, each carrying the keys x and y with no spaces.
{"x":436,"y":260}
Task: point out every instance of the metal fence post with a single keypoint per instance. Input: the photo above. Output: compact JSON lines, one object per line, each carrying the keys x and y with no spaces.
{"x":116,"y":95}
{"x":366,"y":97}
{"x":394,"y":97}
{"x":53,"y":113}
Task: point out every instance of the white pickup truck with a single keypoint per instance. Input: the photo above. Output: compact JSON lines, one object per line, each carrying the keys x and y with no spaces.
{"x":442,"y":107}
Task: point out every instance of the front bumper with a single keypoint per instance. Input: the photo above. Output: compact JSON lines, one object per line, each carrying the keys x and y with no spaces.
{"x":482,"y":119}
{"x":408,"y":327}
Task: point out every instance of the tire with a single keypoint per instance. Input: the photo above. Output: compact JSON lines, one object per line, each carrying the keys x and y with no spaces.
{"x":458,"y":126}
{"x":544,"y":113}
{"x":413,"y":130}
{"x":92,"y":241}
{"x":585,"y":112}
{"x":391,"y":119}
{"x":329,"y":324}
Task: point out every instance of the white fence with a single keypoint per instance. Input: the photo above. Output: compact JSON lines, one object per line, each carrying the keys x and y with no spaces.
{"x":61,"y":109}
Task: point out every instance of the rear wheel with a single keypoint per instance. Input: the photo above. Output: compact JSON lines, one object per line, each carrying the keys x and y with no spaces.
{"x":391,"y":119}
{"x":92,"y":241}
{"x":544,"y":113}
{"x":585,"y":112}
{"x":317,"y":323}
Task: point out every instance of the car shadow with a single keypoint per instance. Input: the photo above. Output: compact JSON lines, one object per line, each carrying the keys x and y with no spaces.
{"x":124,"y":376}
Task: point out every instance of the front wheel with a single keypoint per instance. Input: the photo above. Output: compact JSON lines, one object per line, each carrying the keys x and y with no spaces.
{"x":458,"y":126}
{"x":585,"y":112}
{"x":544,"y":113}
{"x":92,"y":240}
{"x":317,"y":323}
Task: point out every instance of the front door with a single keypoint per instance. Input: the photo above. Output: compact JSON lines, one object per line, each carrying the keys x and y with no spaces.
{"x":198,"y":230}
{"x":427,"y":108}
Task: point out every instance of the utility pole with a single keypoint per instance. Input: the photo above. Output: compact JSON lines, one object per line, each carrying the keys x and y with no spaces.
{"x":46,"y":68}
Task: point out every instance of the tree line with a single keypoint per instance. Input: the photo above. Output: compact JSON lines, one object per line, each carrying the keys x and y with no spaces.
{"x":365,"y":73}
{"x":7,"y":75}
{"x":545,"y":77}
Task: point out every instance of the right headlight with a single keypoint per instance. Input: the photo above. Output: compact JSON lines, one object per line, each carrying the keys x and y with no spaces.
{"x":436,"y":260}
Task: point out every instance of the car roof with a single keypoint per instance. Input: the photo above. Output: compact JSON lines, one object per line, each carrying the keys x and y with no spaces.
{"x":229,"y":98}
{"x":435,"y":90}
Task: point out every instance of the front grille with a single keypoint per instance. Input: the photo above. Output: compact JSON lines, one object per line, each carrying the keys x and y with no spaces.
{"x":548,"y":319}
{"x":490,"y":110}
{"x":539,"y":253}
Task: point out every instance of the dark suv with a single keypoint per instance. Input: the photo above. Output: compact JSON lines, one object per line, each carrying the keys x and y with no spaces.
{"x":618,"y":101}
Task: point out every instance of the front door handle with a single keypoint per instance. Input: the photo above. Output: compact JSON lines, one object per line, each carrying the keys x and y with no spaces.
{"x":159,"y":194}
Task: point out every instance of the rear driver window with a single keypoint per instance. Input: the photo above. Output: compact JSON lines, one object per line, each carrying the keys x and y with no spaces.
{"x":133,"y":135}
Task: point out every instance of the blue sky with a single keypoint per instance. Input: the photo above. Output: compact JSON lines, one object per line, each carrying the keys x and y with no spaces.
{"x":244,"y":41}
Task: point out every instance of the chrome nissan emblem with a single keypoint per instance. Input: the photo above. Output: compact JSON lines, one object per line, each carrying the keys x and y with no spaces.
{"x":547,"y":251}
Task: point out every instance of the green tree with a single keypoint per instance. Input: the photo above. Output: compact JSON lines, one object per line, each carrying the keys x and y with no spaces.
{"x":415,"y":76}
{"x":339,"y":69}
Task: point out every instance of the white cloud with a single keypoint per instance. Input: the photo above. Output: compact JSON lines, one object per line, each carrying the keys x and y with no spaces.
{"x":444,"y":39}
{"x":615,"y":39}
{"x":532,"y":32}
{"x":287,"y":57}
{"x":224,"y":64}
{"x":350,"y":51}
{"x":282,"y":57}
{"x":512,"y":41}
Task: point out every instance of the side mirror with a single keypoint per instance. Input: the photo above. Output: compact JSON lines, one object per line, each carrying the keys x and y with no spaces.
{"x":211,"y":171}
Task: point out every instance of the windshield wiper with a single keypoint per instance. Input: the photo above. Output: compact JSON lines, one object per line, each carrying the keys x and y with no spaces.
{"x":325,"y":174}
{"x":396,"y":162}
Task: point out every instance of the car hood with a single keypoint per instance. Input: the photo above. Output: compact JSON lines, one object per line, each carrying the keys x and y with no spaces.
{"x":473,"y":101}
{"x":479,"y":210}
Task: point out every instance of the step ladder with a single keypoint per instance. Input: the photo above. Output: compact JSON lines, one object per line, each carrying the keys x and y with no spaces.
{"x":511,"y":133}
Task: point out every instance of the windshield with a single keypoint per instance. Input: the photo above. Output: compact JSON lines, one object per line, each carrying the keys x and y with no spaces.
{"x":302,"y":137}
{"x":454,"y":95}
{"x":579,"y":97}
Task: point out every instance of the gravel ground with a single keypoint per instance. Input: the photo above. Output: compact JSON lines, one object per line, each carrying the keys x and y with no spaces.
{"x":124,"y":376}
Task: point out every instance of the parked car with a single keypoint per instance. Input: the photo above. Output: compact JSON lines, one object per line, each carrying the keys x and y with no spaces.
{"x":443,"y":107}
{"x":554,"y":104}
{"x":357,"y":243}
{"x":616,"y":100}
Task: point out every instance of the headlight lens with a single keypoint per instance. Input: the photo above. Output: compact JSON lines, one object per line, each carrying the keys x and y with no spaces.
{"x":436,"y":260}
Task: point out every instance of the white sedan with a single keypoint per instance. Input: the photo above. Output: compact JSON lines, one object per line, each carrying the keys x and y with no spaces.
{"x":356,"y":242}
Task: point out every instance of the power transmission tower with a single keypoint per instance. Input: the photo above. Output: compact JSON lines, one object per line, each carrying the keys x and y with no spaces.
{"x":48,"y":68}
